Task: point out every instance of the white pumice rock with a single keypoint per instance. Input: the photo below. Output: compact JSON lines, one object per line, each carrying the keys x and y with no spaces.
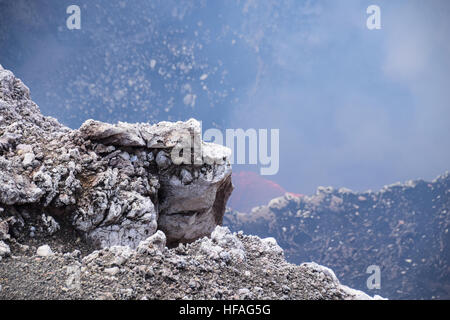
{"x":5,"y":251}
{"x":156,"y":242}
{"x":28,"y":159}
{"x":223,"y":245}
{"x":112,"y":271}
{"x":269,"y":245}
{"x":44,"y":251}
{"x":50,"y":223}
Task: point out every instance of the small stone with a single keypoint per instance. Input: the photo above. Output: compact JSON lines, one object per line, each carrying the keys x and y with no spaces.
{"x":286,"y":289}
{"x":156,"y":241}
{"x":121,"y":254}
{"x":244,"y":293}
{"x":125,"y":155}
{"x":4,"y":230}
{"x":225,"y":256}
{"x":50,"y":223}
{"x":74,"y":153}
{"x":44,"y":251}
{"x":4,"y":250}
{"x":192,"y":284}
{"x":126,"y":293}
{"x":162,"y":160}
{"x":105,"y":296}
{"x":23,"y":148}
{"x":23,"y":248}
{"x":75,"y":253}
{"x":28,"y":159}
{"x":112,"y":271}
{"x":186,"y":176}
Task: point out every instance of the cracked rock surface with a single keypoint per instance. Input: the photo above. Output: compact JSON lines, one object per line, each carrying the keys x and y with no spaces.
{"x":112,"y":183}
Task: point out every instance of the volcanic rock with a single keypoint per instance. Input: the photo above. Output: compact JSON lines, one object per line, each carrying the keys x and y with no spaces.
{"x":115,"y":184}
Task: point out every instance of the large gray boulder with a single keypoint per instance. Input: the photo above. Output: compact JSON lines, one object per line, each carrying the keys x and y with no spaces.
{"x":117,"y":184}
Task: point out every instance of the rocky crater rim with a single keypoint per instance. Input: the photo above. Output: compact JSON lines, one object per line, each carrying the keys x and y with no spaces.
{"x":113,"y":184}
{"x":116,"y":192}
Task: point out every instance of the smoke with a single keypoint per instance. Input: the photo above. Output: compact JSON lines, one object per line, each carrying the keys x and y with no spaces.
{"x":358,"y":108}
